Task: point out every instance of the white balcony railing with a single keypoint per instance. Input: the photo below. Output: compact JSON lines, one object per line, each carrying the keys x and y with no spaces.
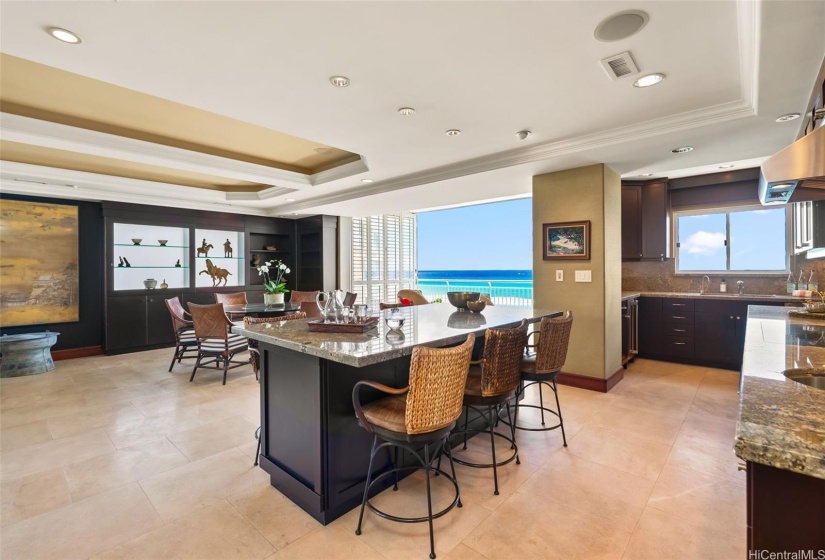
{"x":503,"y":292}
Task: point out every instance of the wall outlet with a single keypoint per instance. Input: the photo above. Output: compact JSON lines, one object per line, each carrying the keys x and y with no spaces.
{"x":559,"y":276}
{"x":583,"y":276}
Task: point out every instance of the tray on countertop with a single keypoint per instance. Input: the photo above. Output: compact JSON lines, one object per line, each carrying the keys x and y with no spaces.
{"x":807,"y":314}
{"x":318,"y":325}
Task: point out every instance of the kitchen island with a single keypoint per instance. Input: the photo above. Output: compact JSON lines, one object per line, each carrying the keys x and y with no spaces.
{"x":780,"y":432}
{"x":311,"y":444}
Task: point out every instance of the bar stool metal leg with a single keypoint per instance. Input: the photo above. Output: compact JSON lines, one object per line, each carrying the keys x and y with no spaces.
{"x":558,"y":407}
{"x":492,"y":448}
{"x":367,"y":485}
{"x":429,"y":502}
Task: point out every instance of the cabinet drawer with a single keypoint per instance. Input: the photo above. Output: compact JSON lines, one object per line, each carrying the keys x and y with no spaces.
{"x":677,"y":317}
{"x":678,"y":304}
{"x":677,"y":346}
{"x":685,"y":330}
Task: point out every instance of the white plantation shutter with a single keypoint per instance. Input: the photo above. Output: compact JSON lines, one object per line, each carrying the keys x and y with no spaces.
{"x":383,"y":257}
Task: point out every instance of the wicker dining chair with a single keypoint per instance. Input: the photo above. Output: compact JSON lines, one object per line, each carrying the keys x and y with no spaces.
{"x":543,"y":366}
{"x":300,"y":297}
{"x":491,"y":384}
{"x":214,"y":339}
{"x":414,"y":418}
{"x":255,"y":355}
{"x":311,"y":309}
{"x":186,"y":344}
{"x":415,"y":297}
{"x":237,"y":298}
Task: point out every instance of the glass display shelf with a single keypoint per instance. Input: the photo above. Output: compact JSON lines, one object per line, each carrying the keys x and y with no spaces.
{"x":128,"y":267}
{"x":221,"y":258}
{"x":266,"y":251}
{"x":152,"y":246}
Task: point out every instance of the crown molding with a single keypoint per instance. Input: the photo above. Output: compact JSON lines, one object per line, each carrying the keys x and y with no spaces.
{"x":26,"y":179}
{"x":26,"y":130}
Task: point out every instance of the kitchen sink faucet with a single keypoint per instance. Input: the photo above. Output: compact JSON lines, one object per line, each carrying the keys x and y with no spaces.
{"x":740,"y":285}
{"x":702,"y":284}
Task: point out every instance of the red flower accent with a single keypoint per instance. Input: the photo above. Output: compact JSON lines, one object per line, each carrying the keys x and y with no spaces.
{"x":405,"y":301}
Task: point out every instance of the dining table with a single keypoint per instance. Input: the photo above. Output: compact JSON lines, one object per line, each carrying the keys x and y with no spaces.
{"x":261,"y":309}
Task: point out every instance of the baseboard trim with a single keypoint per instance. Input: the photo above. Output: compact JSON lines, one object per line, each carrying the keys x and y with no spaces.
{"x":70,"y":353}
{"x":590,"y":383}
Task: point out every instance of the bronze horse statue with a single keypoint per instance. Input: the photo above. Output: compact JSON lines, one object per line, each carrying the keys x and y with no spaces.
{"x":216,"y":273}
{"x":204,"y":249}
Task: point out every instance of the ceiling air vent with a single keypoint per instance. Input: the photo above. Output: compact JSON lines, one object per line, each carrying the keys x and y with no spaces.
{"x":619,"y":66}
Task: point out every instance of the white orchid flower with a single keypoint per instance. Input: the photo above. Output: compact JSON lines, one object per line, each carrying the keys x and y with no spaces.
{"x":282,"y":266}
{"x":286,"y":271}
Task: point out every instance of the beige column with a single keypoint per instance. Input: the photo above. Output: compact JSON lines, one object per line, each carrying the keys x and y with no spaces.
{"x":585,"y":193}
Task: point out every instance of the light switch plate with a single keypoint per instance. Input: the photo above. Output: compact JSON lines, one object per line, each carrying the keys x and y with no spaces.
{"x":583,"y":276}
{"x":559,"y":276}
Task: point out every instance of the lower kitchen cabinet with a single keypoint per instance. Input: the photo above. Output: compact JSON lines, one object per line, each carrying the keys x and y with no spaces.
{"x":785,"y":511}
{"x":137,"y":322}
{"x":650,"y":326}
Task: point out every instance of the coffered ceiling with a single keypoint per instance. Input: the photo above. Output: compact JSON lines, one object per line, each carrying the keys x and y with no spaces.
{"x":249,"y":82}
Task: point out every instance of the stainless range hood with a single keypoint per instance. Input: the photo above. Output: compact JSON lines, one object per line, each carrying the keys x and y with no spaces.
{"x":797,"y":173}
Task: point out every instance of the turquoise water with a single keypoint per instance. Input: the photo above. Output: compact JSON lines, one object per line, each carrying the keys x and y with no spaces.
{"x":473,"y":278}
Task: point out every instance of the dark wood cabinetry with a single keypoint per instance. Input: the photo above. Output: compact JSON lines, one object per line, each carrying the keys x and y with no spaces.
{"x":645,"y":221}
{"x":703,"y":331}
{"x":785,"y":510}
{"x":318,"y":253}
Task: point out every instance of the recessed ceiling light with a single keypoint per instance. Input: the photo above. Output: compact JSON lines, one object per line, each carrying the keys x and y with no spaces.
{"x":788,"y":117}
{"x":64,"y":35}
{"x":523,"y":134}
{"x":646,"y":175}
{"x":323,"y":151}
{"x":649,"y":80}
{"x":339,"y":81}
{"x":290,"y":200}
{"x":621,"y":25}
{"x":406,"y":111}
{"x":726,"y":166}
{"x":367,"y":180}
{"x":453,"y":132}
{"x":293,"y":213}
{"x":682,"y":149}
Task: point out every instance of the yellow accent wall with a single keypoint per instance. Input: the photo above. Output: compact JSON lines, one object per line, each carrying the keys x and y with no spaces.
{"x":585,"y":193}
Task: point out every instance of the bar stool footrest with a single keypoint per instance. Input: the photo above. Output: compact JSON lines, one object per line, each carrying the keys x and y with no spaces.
{"x":436,"y":515}
{"x":514,"y":449}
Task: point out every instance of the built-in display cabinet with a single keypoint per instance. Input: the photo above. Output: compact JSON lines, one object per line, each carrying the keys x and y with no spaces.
{"x":234,"y":245}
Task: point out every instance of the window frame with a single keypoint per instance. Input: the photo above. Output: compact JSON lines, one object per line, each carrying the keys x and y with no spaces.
{"x":375,"y":288}
{"x":727,"y":210}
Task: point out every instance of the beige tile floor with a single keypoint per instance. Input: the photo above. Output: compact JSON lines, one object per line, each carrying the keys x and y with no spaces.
{"x":113,"y":457}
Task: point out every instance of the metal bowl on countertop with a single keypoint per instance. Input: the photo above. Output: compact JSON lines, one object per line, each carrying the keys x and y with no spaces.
{"x":460,"y":299}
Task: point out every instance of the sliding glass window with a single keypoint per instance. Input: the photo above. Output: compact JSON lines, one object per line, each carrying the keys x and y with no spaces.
{"x":742,"y":240}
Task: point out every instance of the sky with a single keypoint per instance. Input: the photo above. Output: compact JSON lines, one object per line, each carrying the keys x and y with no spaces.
{"x":495,"y":236}
{"x":754,"y":243}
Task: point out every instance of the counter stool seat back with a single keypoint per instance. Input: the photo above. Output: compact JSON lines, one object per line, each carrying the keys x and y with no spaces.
{"x":296,"y":296}
{"x":214,"y":339}
{"x":186,"y":344}
{"x":421,"y":414}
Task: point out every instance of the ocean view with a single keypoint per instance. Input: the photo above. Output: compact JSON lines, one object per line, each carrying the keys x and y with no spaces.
{"x":506,"y":287}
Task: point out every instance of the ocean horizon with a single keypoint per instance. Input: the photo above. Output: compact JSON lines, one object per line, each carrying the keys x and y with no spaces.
{"x":476,"y":278}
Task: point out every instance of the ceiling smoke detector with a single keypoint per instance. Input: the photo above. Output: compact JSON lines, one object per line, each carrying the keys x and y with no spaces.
{"x":523,"y":134}
{"x":64,"y":35}
{"x":406,"y":111}
{"x":682,"y":149}
{"x":339,"y":81}
{"x":788,"y":117}
{"x":453,"y":132}
{"x":621,"y":26}
{"x":323,"y":151}
{"x":619,"y":65}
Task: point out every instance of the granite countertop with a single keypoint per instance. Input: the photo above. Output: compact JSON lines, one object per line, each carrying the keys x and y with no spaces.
{"x":438,"y":324}
{"x":717,"y":295}
{"x":781,"y":422}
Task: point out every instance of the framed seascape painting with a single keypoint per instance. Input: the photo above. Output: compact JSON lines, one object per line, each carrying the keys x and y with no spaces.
{"x":38,"y":263}
{"x":564,"y":241}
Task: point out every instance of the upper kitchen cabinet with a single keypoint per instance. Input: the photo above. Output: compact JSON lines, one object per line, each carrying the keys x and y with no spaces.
{"x":645,"y":232}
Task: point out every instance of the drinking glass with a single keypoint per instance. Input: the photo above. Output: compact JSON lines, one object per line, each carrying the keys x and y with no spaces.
{"x":347,"y":314}
{"x":362,"y":311}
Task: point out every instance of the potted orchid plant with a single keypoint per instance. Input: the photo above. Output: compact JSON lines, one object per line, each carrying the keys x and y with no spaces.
{"x":274,"y":283}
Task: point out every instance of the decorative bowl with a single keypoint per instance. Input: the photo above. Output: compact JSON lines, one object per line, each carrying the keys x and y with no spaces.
{"x":150,"y":283}
{"x":163,"y":242}
{"x":460,"y":299}
{"x":815,"y":307}
{"x":136,"y":241}
{"x":476,"y":306}
{"x":270,"y":248}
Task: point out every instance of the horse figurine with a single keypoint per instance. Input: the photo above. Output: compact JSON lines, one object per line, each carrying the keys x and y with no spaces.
{"x":204,"y":249}
{"x":227,"y":249}
{"x":216,"y":273}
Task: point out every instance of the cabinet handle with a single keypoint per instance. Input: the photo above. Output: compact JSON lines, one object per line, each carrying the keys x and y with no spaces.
{"x":678,"y":317}
{"x":662,"y":255}
{"x":680,"y":343}
{"x":678,"y":330}
{"x":737,"y":318}
{"x":677,"y":304}
{"x":742,"y":467}
{"x":731,"y":316}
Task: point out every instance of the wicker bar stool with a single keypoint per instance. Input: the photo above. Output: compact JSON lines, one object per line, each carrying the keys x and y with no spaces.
{"x":255,"y":355}
{"x":491,"y":384}
{"x":416,"y":416}
{"x":185,"y":339}
{"x":542,"y":368}
{"x":214,"y":339}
